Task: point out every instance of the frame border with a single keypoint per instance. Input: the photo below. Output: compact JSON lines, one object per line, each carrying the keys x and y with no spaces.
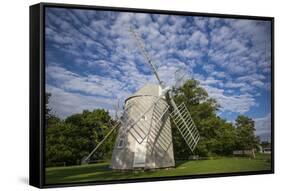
{"x":37,"y":94}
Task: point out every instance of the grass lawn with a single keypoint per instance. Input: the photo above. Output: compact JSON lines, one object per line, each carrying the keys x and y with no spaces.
{"x":101,"y":171}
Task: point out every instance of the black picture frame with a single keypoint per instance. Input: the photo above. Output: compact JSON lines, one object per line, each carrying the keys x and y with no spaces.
{"x":37,"y":93}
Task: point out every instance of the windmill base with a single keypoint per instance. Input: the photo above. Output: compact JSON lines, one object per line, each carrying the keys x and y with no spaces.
{"x":143,"y":169}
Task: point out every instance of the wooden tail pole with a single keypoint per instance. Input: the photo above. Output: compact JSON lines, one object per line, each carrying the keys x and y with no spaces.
{"x":85,"y":160}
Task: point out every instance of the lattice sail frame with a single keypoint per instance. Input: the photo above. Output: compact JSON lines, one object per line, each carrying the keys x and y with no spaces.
{"x":153,"y":129}
{"x":180,"y":115}
{"x":185,"y":124}
{"x":160,"y":135}
{"x":141,"y":129}
{"x":137,"y":127}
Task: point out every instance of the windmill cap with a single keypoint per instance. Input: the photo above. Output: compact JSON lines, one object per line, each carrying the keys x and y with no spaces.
{"x":148,"y":90}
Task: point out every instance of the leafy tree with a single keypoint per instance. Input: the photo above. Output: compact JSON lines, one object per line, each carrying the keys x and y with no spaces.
{"x":59,"y":144}
{"x":93,"y":126}
{"x":225,"y":138}
{"x":49,"y":116}
{"x":245,"y":133}
{"x":69,"y":140}
{"x":217,"y":137}
{"x":196,"y":100}
{"x":47,"y":107}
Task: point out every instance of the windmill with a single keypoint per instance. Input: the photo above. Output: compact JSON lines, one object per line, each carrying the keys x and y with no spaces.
{"x":144,"y":137}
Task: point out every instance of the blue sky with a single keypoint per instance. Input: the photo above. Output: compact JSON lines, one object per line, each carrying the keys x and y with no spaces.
{"x":92,"y":60}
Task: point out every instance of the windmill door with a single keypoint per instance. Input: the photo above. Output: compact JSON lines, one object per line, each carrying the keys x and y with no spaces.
{"x":140,"y":154}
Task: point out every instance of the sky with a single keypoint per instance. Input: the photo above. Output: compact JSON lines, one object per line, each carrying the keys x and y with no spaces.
{"x":92,"y":60}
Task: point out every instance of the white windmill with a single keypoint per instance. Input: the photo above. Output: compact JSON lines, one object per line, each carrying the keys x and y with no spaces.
{"x":144,"y":138}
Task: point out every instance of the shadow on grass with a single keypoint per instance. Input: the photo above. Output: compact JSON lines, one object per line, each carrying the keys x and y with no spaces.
{"x":180,"y":163}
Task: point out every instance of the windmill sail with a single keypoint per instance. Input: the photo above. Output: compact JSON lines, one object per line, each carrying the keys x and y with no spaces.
{"x":133,"y":118}
{"x":160,"y":135}
{"x":185,"y":124}
{"x":145,"y":54}
{"x":180,"y":115}
{"x":146,"y":125}
{"x":145,"y":135}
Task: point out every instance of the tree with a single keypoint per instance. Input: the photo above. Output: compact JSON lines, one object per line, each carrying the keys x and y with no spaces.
{"x":245,"y":133}
{"x":70,"y":140}
{"x":93,"y":127}
{"x":50,"y":118}
{"x":59,"y":144}
{"x":47,"y":107}
{"x":217,"y":137}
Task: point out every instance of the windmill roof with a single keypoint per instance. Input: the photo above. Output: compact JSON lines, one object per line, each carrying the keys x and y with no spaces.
{"x":148,"y":90}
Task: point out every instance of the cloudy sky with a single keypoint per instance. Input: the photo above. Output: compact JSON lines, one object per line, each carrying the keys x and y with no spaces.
{"x":92,"y":60}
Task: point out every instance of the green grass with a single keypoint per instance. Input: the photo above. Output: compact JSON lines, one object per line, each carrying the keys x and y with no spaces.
{"x":101,"y":171}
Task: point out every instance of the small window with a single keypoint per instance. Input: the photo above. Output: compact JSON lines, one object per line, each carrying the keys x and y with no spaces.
{"x":121,"y":143}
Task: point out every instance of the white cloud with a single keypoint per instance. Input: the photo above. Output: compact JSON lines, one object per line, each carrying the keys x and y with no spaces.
{"x":258,"y":84}
{"x":91,"y":84}
{"x":191,"y":53}
{"x":113,"y":66}
{"x":233,"y":103}
{"x":199,"y":37}
{"x":210,"y":81}
{"x":201,"y":22}
{"x":230,"y":84}
{"x":220,"y":34}
{"x":218,"y":74}
{"x":64,"y":103}
{"x":209,"y":68}
{"x":241,"y":46}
